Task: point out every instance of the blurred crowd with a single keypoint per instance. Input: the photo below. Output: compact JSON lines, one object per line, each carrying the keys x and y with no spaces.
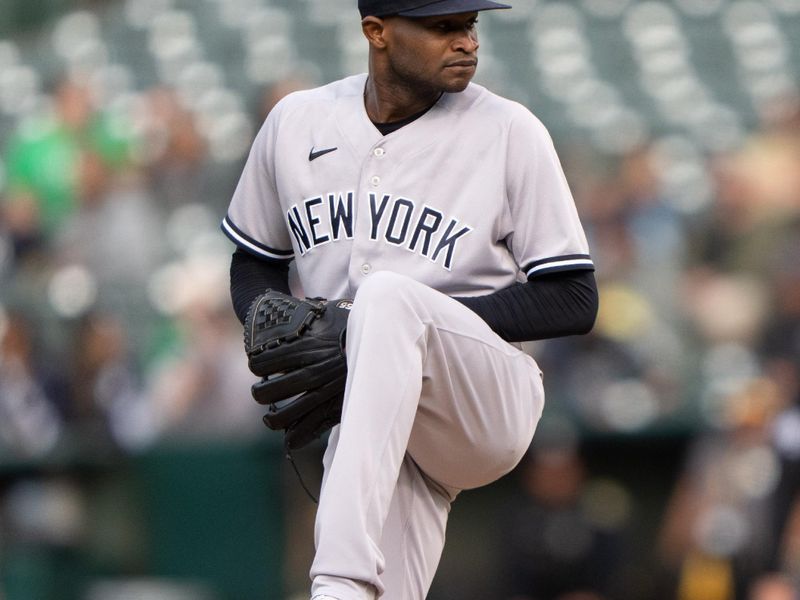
{"x":699,"y":332}
{"x":116,"y":333}
{"x":115,"y":314}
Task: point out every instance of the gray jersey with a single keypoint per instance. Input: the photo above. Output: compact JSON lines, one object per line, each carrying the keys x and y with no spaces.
{"x":467,"y":199}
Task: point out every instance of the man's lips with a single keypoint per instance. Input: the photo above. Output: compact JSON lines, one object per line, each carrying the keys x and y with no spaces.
{"x":467,"y":63}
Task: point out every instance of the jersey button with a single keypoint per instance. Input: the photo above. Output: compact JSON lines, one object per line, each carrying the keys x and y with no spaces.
{"x":379,"y":152}
{"x":376,"y":181}
{"x":366,"y":268}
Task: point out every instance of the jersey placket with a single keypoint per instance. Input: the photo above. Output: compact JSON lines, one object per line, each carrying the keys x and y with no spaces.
{"x":365,"y":251}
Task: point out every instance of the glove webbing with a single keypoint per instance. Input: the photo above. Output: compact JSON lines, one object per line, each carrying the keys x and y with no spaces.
{"x":273,"y":312}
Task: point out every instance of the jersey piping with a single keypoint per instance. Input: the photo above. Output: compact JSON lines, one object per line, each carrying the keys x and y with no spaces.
{"x":559,"y":263}
{"x":247,"y":243}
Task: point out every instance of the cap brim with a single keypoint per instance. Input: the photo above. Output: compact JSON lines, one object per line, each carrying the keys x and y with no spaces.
{"x":451,"y":7}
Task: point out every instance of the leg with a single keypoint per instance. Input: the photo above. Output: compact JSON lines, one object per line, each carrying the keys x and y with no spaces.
{"x":413,"y":534}
{"x":435,"y":402}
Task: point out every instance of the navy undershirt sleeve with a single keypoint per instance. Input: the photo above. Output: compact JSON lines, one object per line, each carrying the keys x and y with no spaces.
{"x":548,"y":306}
{"x":252,"y":276}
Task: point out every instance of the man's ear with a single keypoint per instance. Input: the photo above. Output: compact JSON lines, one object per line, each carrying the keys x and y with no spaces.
{"x":373,"y":28}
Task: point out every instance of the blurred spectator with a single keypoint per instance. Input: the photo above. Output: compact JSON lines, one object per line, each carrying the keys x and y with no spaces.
{"x":47,"y":161}
{"x":789,"y":551}
{"x":117,"y":233}
{"x":566,"y":537}
{"x":631,"y":372}
{"x":773,"y":586}
{"x":274,"y":92}
{"x":200,"y":389}
{"x":781,"y":339}
{"x":105,"y":383}
{"x":636,"y":235}
{"x":786,"y":506}
{"x":757,"y":203}
{"x":176,"y":151}
{"x":31,"y":392}
{"x":719,"y":529}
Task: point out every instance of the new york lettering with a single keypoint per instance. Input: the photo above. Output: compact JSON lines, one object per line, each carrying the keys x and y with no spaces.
{"x":418,"y":230}
{"x":399,"y":221}
{"x":321,"y":220}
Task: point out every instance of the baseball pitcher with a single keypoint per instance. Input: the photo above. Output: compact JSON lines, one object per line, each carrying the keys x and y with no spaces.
{"x":432,"y":229}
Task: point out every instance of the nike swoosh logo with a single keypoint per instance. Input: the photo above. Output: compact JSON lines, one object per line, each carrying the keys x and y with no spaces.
{"x":314,"y":155}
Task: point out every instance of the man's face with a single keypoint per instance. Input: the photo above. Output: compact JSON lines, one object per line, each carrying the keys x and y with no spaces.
{"x":439,"y":53}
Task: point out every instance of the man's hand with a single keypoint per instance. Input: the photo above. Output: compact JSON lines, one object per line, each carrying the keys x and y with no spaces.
{"x":297,"y":348}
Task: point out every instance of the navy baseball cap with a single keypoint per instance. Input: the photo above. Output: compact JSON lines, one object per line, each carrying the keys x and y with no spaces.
{"x":424,"y":8}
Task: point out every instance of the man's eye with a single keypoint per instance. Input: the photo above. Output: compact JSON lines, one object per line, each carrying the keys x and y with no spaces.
{"x":449,"y":27}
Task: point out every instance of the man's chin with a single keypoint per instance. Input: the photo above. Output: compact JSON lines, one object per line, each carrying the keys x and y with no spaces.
{"x":456,"y":86}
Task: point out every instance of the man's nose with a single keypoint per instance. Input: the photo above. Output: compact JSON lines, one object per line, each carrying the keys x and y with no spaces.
{"x":467,"y":42}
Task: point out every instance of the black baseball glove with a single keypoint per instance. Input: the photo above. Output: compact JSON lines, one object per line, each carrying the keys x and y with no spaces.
{"x":297,"y":348}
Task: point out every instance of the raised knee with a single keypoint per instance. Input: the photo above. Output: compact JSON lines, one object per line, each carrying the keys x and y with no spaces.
{"x":382,"y":286}
{"x":389,"y":309}
{"x":396,"y":296}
